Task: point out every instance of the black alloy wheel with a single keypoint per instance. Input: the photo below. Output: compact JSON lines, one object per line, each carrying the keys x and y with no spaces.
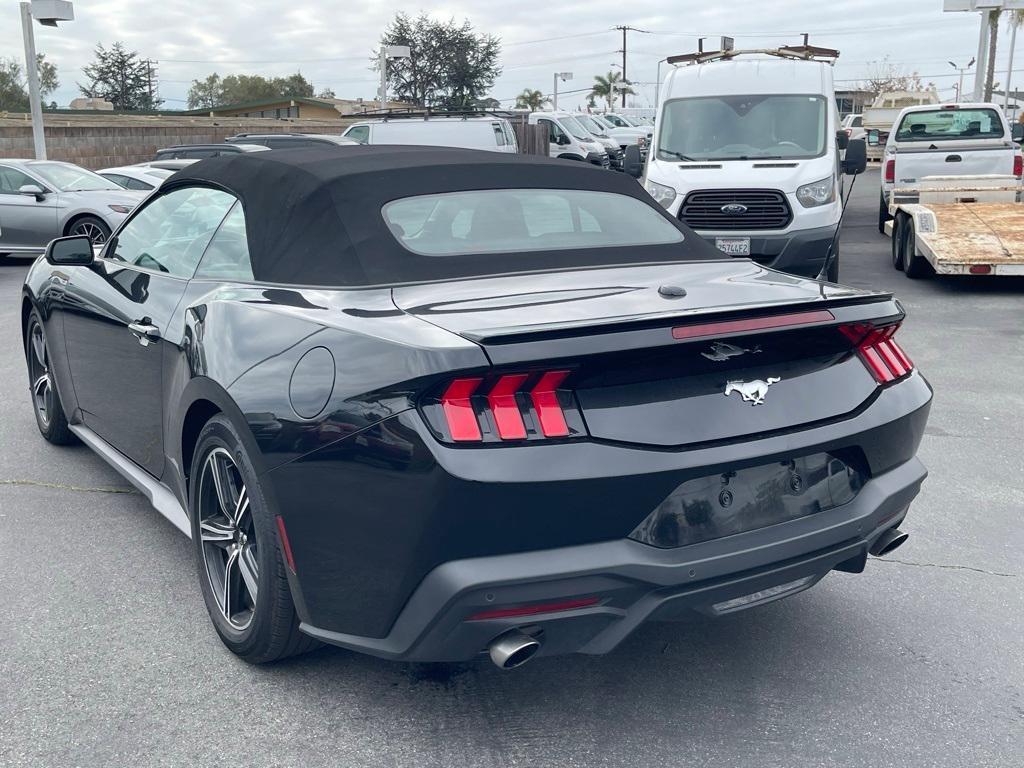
{"x":242,"y":573}
{"x":46,"y":404}
{"x":93,"y":228}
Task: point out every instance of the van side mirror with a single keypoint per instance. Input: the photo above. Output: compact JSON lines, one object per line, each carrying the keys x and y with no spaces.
{"x":856,"y":160}
{"x":842,"y":139}
{"x":1017,"y":132}
{"x":32,"y":190}
{"x":873,"y":138}
{"x":73,"y":251}
{"x":632,"y":163}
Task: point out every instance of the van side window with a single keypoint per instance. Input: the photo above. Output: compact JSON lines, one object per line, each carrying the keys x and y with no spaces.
{"x":554,"y":132}
{"x":360,"y":133}
{"x":499,"y":134}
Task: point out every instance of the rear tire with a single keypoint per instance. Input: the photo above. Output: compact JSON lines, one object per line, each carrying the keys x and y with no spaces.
{"x":46,"y":404}
{"x":238,"y":556}
{"x":883,"y":212}
{"x":914,"y":266}
{"x":897,"y":242}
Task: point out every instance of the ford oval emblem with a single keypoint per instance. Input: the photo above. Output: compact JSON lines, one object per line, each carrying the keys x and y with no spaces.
{"x":734,"y":209}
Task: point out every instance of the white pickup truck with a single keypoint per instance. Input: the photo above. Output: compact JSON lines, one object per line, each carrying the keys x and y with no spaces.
{"x":944,"y":140}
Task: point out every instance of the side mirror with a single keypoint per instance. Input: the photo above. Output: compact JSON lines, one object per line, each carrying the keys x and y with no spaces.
{"x":632,"y":163}
{"x":842,"y":139}
{"x":74,"y":251}
{"x":856,"y":160}
{"x":32,"y":190}
{"x":873,"y":139}
{"x":1017,"y":132}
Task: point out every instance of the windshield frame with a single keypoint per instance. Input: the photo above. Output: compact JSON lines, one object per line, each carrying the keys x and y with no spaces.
{"x":665,"y":153}
{"x":34,"y":168}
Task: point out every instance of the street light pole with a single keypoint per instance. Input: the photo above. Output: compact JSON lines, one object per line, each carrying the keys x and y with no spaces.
{"x":563,"y":76}
{"x":32,"y":69}
{"x":388,"y":52}
{"x":1009,"y":66}
{"x":960,"y":85}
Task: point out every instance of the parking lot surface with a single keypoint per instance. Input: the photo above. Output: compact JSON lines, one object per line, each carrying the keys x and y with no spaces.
{"x":107,"y":657}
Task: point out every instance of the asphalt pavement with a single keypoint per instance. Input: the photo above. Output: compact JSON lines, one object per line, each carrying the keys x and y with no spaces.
{"x":107,"y":657}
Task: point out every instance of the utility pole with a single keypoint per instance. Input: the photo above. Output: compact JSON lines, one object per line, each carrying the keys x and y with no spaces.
{"x":625,"y":80}
{"x":149,"y":81}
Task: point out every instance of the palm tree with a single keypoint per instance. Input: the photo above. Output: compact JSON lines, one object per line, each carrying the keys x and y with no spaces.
{"x":531,"y":100}
{"x":993,"y":34}
{"x":608,"y":86}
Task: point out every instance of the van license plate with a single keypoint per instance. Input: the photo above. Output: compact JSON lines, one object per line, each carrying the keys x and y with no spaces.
{"x":733,"y":246}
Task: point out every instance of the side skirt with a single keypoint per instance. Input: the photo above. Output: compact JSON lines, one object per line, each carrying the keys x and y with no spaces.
{"x":165,"y":502}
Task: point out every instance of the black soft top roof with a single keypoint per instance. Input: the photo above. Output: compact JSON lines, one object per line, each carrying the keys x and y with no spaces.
{"x":313,"y":216}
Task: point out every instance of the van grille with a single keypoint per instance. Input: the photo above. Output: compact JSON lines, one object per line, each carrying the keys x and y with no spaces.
{"x":765,"y":209}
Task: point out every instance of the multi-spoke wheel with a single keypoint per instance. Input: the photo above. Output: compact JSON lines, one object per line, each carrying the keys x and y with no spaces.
{"x":241,"y":570}
{"x":228,"y":538}
{"x":92,"y":227}
{"x":49,"y":411}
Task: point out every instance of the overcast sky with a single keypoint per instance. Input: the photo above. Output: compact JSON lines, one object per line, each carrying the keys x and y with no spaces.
{"x":330,"y":41}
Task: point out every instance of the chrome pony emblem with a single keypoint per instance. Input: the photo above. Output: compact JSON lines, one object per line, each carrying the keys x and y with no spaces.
{"x":753,"y":392}
{"x":720,"y":351}
{"x":733,"y":209}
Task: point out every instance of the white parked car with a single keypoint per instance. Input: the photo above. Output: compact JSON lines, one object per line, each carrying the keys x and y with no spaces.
{"x":944,"y":140}
{"x":746,"y":153}
{"x":489,"y":133}
{"x":600,"y":132}
{"x":569,"y":139}
{"x":144,"y":178}
{"x":622,"y":132}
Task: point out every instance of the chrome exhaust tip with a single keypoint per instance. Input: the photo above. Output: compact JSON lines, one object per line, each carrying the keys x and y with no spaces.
{"x":513,"y":649}
{"x":890,"y":540}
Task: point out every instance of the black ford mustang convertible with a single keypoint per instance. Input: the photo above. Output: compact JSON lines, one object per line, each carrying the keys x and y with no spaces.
{"x":433,"y":404}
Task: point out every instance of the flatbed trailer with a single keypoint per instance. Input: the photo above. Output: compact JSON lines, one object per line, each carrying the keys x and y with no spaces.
{"x":958,"y":225}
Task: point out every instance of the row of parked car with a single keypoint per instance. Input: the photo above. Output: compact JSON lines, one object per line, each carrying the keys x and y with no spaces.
{"x":41,"y":200}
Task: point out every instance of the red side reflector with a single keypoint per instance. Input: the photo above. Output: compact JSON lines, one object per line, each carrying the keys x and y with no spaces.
{"x":502,"y":399}
{"x":753,"y":324}
{"x":458,"y":410}
{"x":545,"y":401}
{"x":533,"y":610}
{"x":890,"y":171}
{"x":285,"y":544}
{"x":980,"y":269}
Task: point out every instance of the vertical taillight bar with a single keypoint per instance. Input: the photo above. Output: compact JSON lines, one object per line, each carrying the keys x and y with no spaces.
{"x":545,"y":402}
{"x":502,"y":400}
{"x":458,"y":409}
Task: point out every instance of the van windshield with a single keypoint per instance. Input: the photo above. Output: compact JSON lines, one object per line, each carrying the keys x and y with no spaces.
{"x":572,"y":126}
{"x":743,"y":127}
{"x":950,"y":125}
{"x":591,"y":125}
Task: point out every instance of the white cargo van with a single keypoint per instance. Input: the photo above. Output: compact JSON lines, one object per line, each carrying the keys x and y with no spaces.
{"x":568,"y":139}
{"x":494,"y":134}
{"x":746,"y":152}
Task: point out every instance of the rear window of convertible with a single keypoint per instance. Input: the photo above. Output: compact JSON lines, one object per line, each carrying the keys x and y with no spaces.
{"x":511,"y":220}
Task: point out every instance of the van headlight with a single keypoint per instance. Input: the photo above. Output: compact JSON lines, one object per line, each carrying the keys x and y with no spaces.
{"x":662,"y":193}
{"x":817,"y":193}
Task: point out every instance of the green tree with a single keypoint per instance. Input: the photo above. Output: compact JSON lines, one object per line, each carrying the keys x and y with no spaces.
{"x":215,"y":91}
{"x":609,"y":86}
{"x":326,"y":93}
{"x":205,"y":94}
{"x":450,"y":64}
{"x":14,"y":85}
{"x":122,"y":78}
{"x":531,"y":100}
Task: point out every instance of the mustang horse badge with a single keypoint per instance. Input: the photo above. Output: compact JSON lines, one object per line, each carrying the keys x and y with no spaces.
{"x":753,"y":392}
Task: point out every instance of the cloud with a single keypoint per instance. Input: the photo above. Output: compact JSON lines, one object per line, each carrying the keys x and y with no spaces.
{"x":331,"y":42}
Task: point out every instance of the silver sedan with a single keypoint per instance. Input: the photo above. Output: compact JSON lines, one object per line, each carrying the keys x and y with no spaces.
{"x":41,"y":200}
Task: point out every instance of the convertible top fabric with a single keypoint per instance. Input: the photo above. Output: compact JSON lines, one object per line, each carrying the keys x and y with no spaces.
{"x":313,"y":216}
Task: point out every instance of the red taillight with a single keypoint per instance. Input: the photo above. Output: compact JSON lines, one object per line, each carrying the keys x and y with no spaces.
{"x":533,"y":610}
{"x":980,"y":269}
{"x":458,"y":409}
{"x":514,"y":406}
{"x":545,"y":402}
{"x":881,"y":354}
{"x":1018,"y":166}
{"x":890,"y":171}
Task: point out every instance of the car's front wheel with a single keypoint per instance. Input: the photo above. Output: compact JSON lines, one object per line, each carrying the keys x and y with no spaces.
{"x":92,"y":227}
{"x":46,"y":404}
{"x":241,"y":570}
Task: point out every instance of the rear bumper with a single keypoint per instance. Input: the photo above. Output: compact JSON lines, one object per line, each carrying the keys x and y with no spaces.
{"x":800,"y":252}
{"x":632,"y":582}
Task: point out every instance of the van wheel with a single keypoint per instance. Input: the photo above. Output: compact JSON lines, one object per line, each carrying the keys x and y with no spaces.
{"x":914,"y":266}
{"x":897,"y":242}
{"x":883,"y":212}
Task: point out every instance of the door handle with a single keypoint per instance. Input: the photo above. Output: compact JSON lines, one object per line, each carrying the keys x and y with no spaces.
{"x":144,"y":331}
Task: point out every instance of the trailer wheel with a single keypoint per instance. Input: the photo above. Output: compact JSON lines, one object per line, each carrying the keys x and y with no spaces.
{"x":883,"y":212}
{"x":914,"y":266}
{"x":897,"y":241}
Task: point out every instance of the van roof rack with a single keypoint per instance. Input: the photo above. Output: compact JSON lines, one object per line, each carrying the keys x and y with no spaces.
{"x":422,"y":113}
{"x":803,"y":52}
